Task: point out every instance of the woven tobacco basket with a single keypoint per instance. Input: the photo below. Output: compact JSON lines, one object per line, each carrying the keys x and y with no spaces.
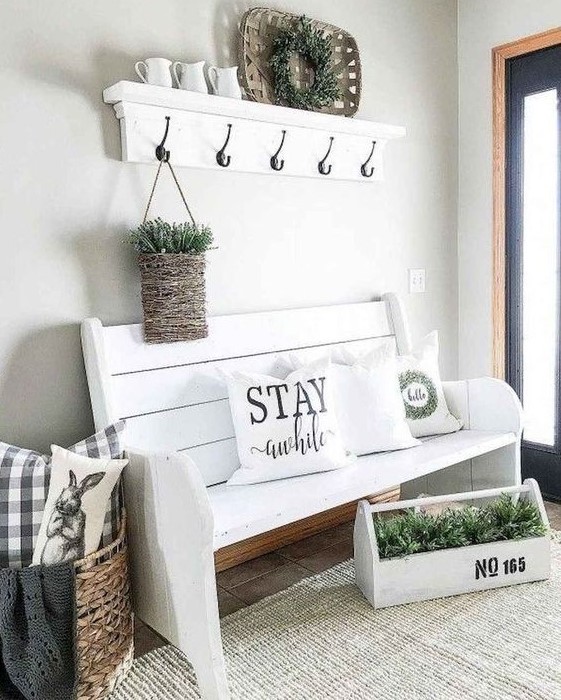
{"x":104,"y":620}
{"x":173,"y":288}
{"x":173,"y":297}
{"x":260,"y":26}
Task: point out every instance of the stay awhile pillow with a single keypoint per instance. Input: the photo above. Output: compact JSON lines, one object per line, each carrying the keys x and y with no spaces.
{"x":285,"y":427}
{"x":368,"y":402}
{"x":24,"y":485}
{"x":421,"y":388}
{"x":79,"y":492}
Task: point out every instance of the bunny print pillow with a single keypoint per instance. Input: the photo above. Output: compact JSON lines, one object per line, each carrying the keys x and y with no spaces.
{"x":79,"y":491}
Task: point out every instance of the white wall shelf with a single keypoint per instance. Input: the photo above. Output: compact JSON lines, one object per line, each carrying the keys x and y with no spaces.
{"x":199,"y":126}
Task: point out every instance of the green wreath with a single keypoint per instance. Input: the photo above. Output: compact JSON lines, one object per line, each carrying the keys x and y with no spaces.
{"x":316,"y":48}
{"x":417,"y":412}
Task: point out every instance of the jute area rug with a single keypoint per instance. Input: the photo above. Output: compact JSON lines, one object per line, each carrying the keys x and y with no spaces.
{"x":320,"y":639}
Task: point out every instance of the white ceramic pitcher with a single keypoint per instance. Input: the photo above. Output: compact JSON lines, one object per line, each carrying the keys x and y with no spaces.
{"x":224,"y":81}
{"x":156,"y":71}
{"x":190,"y":76}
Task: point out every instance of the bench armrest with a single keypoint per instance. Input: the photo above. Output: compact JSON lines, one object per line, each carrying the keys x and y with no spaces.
{"x":485,"y":404}
{"x":171,"y":529}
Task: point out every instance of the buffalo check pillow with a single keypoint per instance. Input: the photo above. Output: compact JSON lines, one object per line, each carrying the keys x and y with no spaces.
{"x":24,"y":486}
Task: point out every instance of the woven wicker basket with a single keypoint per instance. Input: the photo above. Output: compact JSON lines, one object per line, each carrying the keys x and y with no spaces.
{"x":261,"y":25}
{"x":104,"y":620}
{"x":173,"y":297}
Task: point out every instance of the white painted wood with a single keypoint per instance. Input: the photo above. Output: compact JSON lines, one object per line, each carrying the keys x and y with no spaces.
{"x":171,"y":545}
{"x":128,"y":91}
{"x":460,"y":496}
{"x":181,"y":428}
{"x":243,"y":511}
{"x":483,"y":403}
{"x":216,"y":461}
{"x":457,"y":398}
{"x":240,"y":335}
{"x":198,"y":128}
{"x":534,"y":495}
{"x":181,"y":404}
{"x":172,"y":395}
{"x":428,"y":575}
{"x":97,"y":372}
{"x":458,"y":475}
{"x":184,"y":385}
{"x":399,"y":323}
{"x":177,"y":410}
{"x":494,"y":403}
{"x":451,"y":572}
{"x":366,"y":556}
{"x":187,"y":408}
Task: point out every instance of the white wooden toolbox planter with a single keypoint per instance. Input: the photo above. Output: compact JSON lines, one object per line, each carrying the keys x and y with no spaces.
{"x":447,"y":572}
{"x":182,"y":449}
{"x":247,"y":134}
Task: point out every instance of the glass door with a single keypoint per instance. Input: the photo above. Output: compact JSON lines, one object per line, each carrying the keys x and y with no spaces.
{"x":533,"y":255}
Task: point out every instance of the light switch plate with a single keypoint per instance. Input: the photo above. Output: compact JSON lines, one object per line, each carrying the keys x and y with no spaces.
{"x":417,"y":280}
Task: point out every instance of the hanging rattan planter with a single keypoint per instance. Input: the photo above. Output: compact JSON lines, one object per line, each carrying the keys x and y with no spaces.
{"x":173,"y":279}
{"x":173,"y":297}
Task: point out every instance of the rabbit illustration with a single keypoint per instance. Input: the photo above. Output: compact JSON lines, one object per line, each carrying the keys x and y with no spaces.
{"x":67,"y":524}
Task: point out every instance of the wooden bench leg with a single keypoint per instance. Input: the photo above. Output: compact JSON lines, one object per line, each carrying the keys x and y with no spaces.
{"x":194,"y":623}
{"x":185,"y":530}
{"x":205,"y":649}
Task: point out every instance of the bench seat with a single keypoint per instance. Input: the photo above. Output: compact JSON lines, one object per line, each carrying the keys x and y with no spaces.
{"x":244,"y":511}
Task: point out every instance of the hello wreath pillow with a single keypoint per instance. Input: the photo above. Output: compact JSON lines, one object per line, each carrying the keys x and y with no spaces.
{"x":285,"y":427}
{"x":423,"y":395}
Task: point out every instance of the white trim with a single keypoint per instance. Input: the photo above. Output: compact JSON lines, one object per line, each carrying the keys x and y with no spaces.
{"x":97,"y":372}
{"x":199,"y":124}
{"x":126,"y":91}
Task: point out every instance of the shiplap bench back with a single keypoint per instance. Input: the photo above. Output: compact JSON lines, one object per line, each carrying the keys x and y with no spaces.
{"x":171,"y":395}
{"x":182,"y":449}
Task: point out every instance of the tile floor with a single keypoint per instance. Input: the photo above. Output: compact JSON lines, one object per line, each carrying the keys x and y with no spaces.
{"x":249,"y":582}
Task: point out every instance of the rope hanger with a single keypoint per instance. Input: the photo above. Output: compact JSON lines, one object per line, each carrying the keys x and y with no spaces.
{"x":163,"y":156}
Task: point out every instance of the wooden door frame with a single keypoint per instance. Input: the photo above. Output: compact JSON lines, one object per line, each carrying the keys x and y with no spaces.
{"x":501,"y":54}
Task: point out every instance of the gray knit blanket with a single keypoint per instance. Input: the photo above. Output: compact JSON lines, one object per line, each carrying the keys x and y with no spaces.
{"x":37,"y":633}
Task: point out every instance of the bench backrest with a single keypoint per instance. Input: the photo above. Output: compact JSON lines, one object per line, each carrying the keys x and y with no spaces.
{"x":171,"y":394}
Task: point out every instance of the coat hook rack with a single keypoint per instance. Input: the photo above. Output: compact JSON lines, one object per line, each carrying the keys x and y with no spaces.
{"x":161,"y":153}
{"x":277,"y":164}
{"x":363,"y":168}
{"x":321,"y":165}
{"x":221,"y":158}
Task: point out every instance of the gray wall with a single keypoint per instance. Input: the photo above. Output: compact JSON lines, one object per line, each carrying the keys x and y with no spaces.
{"x":67,"y":201}
{"x":483,"y":24}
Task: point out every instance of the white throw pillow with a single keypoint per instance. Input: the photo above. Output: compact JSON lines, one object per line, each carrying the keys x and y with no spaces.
{"x":79,"y":491}
{"x":368,"y":402}
{"x":285,"y":427}
{"x":421,"y":387}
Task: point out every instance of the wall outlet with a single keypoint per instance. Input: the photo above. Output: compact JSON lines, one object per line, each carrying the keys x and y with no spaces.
{"x":417,"y":280}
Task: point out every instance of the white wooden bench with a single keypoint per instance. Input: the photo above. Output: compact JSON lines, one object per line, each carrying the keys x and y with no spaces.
{"x":182,"y":449}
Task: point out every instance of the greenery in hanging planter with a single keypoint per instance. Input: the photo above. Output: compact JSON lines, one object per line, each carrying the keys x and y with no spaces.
{"x":502,"y":519}
{"x":158,"y":236}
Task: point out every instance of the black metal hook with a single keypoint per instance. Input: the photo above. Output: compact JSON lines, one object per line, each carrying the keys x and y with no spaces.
{"x":363,"y":167}
{"x":321,"y":165}
{"x":277,"y":164}
{"x":221,"y":158}
{"x":161,"y":153}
